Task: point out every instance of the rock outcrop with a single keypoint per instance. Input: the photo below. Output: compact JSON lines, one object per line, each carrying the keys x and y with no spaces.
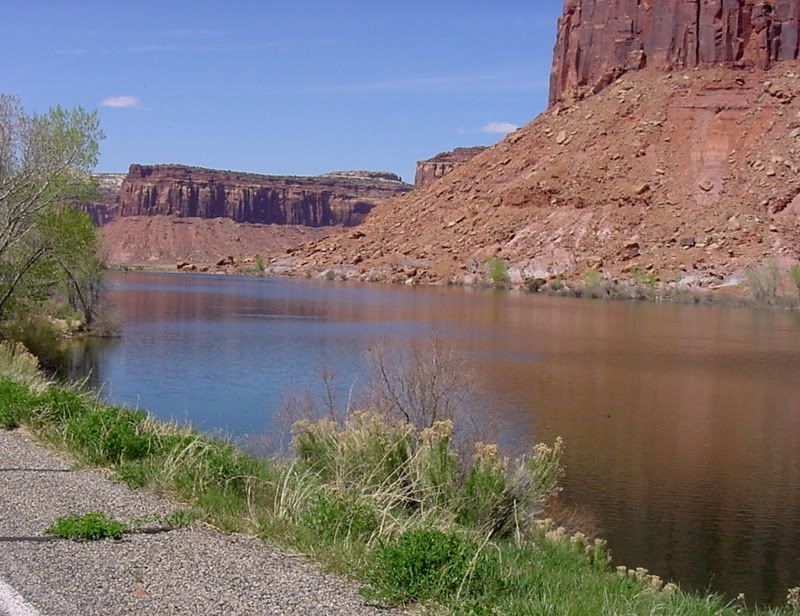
{"x":440,"y":165}
{"x":342,"y":198}
{"x":104,"y":207}
{"x":598,"y":40}
{"x":692,"y":176}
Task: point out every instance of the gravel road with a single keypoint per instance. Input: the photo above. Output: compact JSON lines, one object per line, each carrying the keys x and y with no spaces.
{"x":192,"y":571}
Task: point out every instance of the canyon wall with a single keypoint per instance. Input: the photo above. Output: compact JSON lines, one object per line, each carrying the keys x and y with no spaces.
{"x":598,"y":40}
{"x":103,"y":208}
{"x":440,"y":165}
{"x":342,"y":198}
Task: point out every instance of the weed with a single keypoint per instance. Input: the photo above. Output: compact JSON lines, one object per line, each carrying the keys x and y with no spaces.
{"x":794,"y":274}
{"x":18,"y":402}
{"x":108,"y":436}
{"x":87,"y":527}
{"x":643,"y":277}
{"x":182,"y":518}
{"x":20,"y":366}
{"x":335,"y":517}
{"x":421,"y":564}
{"x":592,"y":278}
{"x":764,"y":283}
{"x":498,"y":272}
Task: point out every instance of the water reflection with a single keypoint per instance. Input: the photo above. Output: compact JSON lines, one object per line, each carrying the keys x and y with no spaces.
{"x":681,"y":422}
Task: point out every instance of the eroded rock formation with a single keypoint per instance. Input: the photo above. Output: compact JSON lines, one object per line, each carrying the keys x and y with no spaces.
{"x":440,"y":165}
{"x":598,"y":40}
{"x":342,"y":198}
{"x":103,"y":208}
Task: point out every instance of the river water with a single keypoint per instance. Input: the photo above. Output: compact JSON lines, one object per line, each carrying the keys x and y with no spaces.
{"x":682,"y":423}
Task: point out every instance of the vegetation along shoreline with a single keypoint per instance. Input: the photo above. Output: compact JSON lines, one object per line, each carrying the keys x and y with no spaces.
{"x":392,"y":500}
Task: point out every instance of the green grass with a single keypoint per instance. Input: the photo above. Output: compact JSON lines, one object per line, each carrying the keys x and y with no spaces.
{"x":403,"y":510}
{"x":87,"y":527}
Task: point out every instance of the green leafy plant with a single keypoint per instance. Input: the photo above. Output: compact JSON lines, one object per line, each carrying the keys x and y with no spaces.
{"x":498,"y":272}
{"x":18,"y":402}
{"x":87,"y":527}
{"x":259,"y":263}
{"x":643,"y":277}
{"x":421,"y":564}
{"x":332,"y":516}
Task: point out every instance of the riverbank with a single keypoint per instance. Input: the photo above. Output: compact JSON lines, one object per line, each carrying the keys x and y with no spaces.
{"x":369,"y":499}
{"x":758,"y":288}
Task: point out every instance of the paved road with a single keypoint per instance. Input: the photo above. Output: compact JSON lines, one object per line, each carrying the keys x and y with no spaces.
{"x":192,"y":571}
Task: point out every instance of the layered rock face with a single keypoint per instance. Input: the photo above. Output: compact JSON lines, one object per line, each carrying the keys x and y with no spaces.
{"x":103,"y":209}
{"x":440,"y":165}
{"x":598,"y":40}
{"x":342,"y":198}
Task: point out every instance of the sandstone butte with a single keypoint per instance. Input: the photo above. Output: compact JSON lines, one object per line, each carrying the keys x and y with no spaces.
{"x":672,"y":144}
{"x":158,"y":214}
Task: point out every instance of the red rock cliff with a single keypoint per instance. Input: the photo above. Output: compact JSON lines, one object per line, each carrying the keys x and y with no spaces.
{"x":332,"y":199}
{"x":440,"y":165}
{"x":600,"y":39}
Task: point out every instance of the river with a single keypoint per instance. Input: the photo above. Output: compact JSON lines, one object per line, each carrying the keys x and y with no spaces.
{"x":681,"y":423}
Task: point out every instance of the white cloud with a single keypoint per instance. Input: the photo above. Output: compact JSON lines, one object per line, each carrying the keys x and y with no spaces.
{"x":120,"y":102}
{"x":499,"y":128}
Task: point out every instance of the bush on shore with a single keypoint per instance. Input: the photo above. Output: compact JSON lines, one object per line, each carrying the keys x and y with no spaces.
{"x":398,"y":506}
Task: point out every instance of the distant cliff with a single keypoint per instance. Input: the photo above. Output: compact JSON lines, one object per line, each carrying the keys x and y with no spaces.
{"x":440,"y":165}
{"x":598,"y":40}
{"x":103,"y":208}
{"x":332,"y":199}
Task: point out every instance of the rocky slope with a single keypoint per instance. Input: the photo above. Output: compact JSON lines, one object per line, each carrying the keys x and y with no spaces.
{"x":440,"y":165}
{"x":692,"y":175}
{"x":598,"y":40}
{"x":188,"y":192}
{"x":167,"y":240}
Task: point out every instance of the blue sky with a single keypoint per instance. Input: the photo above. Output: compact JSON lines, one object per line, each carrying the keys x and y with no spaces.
{"x":299,"y":87}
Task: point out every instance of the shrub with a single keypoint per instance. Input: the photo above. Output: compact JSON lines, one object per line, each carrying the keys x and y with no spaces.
{"x":333,"y":516}
{"x":16,"y":404}
{"x":259,"y":263}
{"x":20,"y":366}
{"x":764,"y":282}
{"x":484,"y":493}
{"x":643,"y":277}
{"x":422,"y":564}
{"x":498,"y":272}
{"x":40,"y":336}
{"x":367,"y":451}
{"x":592,"y":278}
{"x":87,"y":527}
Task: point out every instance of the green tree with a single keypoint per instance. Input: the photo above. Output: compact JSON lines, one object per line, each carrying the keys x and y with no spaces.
{"x":45,"y":165}
{"x":74,"y":249}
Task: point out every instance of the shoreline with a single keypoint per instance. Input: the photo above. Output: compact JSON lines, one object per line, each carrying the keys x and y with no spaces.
{"x":730,"y":296}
